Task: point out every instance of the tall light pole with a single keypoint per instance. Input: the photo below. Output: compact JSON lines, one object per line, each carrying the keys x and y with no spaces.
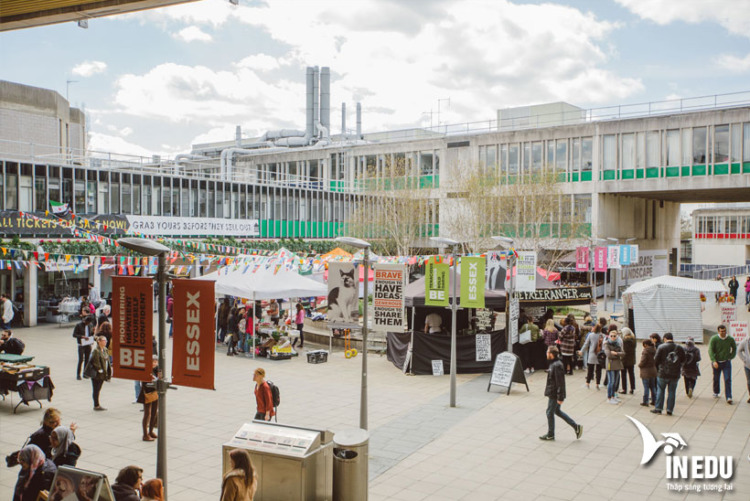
{"x":361,"y":244}
{"x":616,"y":241}
{"x":152,"y":248}
{"x":449,"y":241}
{"x":508,"y":242}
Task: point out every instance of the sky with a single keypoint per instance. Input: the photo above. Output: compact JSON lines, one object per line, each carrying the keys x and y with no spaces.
{"x":159,"y":81}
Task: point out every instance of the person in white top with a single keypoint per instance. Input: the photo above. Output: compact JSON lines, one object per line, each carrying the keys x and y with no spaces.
{"x":433,"y":323}
{"x":94,"y":297}
{"x":7,"y":312}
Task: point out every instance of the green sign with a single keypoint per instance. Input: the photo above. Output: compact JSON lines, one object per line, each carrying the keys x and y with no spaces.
{"x":472,"y":282}
{"x":436,"y":284}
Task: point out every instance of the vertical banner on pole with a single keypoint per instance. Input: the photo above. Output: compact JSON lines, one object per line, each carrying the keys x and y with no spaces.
{"x":526,"y":271}
{"x":388,"y":297}
{"x":193,"y":325}
{"x":472,"y":282}
{"x":613,"y":257}
{"x":633,"y":254}
{"x":582,"y":259}
{"x":600,"y":259}
{"x":625,"y":255}
{"x":436,"y":284}
{"x":133,"y":319}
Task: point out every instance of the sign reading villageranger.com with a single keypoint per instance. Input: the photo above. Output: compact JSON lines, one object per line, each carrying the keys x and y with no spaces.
{"x":686,"y":473}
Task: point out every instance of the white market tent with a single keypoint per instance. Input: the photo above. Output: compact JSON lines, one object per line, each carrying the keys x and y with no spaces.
{"x":264,"y":284}
{"x":670,"y":304}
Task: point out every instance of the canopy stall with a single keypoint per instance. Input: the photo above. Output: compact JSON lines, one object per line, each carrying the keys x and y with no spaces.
{"x":264,"y":284}
{"x":669,"y":304}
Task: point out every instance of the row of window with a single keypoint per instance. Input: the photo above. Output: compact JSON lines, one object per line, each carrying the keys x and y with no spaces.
{"x":718,"y":144}
{"x":721,"y":226}
{"x":29,"y":188}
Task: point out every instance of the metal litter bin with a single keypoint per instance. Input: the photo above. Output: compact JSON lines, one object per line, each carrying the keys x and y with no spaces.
{"x":350,"y":462}
{"x":293,"y":463}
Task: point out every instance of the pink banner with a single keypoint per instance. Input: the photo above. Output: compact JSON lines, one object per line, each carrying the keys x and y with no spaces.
{"x":582,"y":259}
{"x":600,"y":259}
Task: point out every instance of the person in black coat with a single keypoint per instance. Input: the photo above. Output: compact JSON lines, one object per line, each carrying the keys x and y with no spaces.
{"x":555,"y":392}
{"x":669,"y":359}
{"x":36,"y":473}
{"x":50,"y":421}
{"x":84,"y":334}
{"x":127,"y":484}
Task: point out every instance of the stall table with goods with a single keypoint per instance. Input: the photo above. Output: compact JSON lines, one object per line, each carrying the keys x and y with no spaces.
{"x":31,"y":382}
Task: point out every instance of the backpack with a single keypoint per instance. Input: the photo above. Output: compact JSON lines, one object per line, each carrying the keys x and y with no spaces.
{"x":601,"y":356}
{"x":14,"y":346}
{"x":242,"y":325}
{"x":672,"y":362}
{"x":275,"y":393}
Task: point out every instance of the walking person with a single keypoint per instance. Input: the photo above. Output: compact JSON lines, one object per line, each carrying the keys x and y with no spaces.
{"x":555,"y":392}
{"x":84,"y":334}
{"x":691,"y":371}
{"x":733,"y":286}
{"x":647,"y":369}
{"x":669,"y":360}
{"x":613,"y":350}
{"x":299,"y":322}
{"x":744,"y":351}
{"x":721,"y":350}
{"x":263,"y":396}
{"x":221,"y":319}
{"x":150,"y":400}
{"x":628,"y":360}
{"x":747,"y":293}
{"x":7,"y":312}
{"x":241,"y":482}
{"x":231,"y":332}
{"x":102,"y":366}
{"x":590,"y":351}
{"x":568,"y":343}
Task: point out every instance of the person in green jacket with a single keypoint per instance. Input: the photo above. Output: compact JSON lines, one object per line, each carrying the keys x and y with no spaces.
{"x":722,"y":349}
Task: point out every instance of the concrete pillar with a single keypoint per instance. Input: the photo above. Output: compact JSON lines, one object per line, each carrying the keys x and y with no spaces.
{"x":94,"y":276}
{"x":30,"y":295}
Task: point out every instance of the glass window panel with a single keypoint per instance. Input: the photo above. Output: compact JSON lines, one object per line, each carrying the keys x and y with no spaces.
{"x":653,"y":154}
{"x":587,"y":153}
{"x":721,"y":144}
{"x":513,"y":159}
{"x":536,"y":157}
{"x":628,"y":151}
{"x":185,"y":202}
{"x":491,"y":157}
{"x":166,"y":195}
{"x":673,"y":148}
{"x":550,"y":154}
{"x":137,"y":198}
{"x":687,"y":143}
{"x":609,"y":152}
{"x":575,"y":158}
{"x":127,"y":198}
{"x":699,"y":145}
{"x":561,"y":155}
{"x":503,"y":160}
{"x":746,"y":142}
{"x":736,"y":142}
{"x":526,"y":157}
{"x":40,"y":192}
{"x":11,"y":188}
{"x":115,"y":197}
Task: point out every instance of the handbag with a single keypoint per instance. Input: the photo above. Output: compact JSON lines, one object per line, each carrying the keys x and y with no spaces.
{"x":149,"y":397}
{"x":525,"y":337}
{"x":89,"y":372}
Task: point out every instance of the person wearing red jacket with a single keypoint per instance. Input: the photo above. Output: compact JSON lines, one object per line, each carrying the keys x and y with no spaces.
{"x":263,"y":396}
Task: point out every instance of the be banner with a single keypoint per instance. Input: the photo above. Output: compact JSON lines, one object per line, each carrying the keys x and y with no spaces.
{"x":436,"y":284}
{"x":388,"y":299}
{"x":472,"y":282}
{"x":133,"y":325}
{"x":193,"y":324}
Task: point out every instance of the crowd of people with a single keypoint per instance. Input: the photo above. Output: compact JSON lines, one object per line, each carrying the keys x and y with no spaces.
{"x":53,"y":446}
{"x":608,"y":351}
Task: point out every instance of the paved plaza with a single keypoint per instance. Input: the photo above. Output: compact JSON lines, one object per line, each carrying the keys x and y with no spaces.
{"x":485,"y":449}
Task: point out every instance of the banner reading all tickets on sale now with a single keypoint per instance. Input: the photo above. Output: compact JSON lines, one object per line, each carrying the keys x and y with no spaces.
{"x":133,"y":326}
{"x":193,"y":347}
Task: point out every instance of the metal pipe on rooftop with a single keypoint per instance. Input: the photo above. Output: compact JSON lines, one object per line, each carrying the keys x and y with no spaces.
{"x":325,"y":97}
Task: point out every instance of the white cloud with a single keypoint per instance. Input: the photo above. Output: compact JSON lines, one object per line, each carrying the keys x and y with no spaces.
{"x":89,"y":68}
{"x":99,"y":142}
{"x":192,"y":34}
{"x":734,"y":15}
{"x":734,"y":64}
{"x":259,"y":62}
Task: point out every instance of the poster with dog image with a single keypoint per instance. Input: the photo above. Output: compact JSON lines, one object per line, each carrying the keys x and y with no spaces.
{"x":343,"y":296}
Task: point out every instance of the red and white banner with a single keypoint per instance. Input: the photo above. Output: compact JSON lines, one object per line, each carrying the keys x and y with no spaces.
{"x":193,"y":348}
{"x":133,"y":326}
{"x":582,"y":259}
{"x":600,"y":259}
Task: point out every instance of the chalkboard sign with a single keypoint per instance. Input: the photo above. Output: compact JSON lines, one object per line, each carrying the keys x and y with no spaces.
{"x":507,"y":370}
{"x":437,"y":368}
{"x":483,"y":347}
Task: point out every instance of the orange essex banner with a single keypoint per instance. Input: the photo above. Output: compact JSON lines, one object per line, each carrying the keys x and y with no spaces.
{"x":193,"y":345}
{"x":133,"y":326}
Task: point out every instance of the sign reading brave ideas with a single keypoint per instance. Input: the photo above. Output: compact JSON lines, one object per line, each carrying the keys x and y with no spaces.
{"x":194,"y":334}
{"x":133,"y":326}
{"x":388,"y":297}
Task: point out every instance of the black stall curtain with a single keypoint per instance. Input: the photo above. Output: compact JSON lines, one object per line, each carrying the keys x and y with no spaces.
{"x":429,"y":347}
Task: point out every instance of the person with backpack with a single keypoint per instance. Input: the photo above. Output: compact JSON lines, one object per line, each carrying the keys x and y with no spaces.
{"x":11,"y":345}
{"x":669,"y":359}
{"x":263,"y":396}
{"x":594,"y":354}
{"x":691,"y":371}
{"x":648,"y":372}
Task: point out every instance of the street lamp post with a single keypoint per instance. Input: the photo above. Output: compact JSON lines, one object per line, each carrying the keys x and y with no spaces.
{"x":449,"y":241}
{"x":508,"y":242}
{"x":152,"y":248}
{"x":361,"y":244}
